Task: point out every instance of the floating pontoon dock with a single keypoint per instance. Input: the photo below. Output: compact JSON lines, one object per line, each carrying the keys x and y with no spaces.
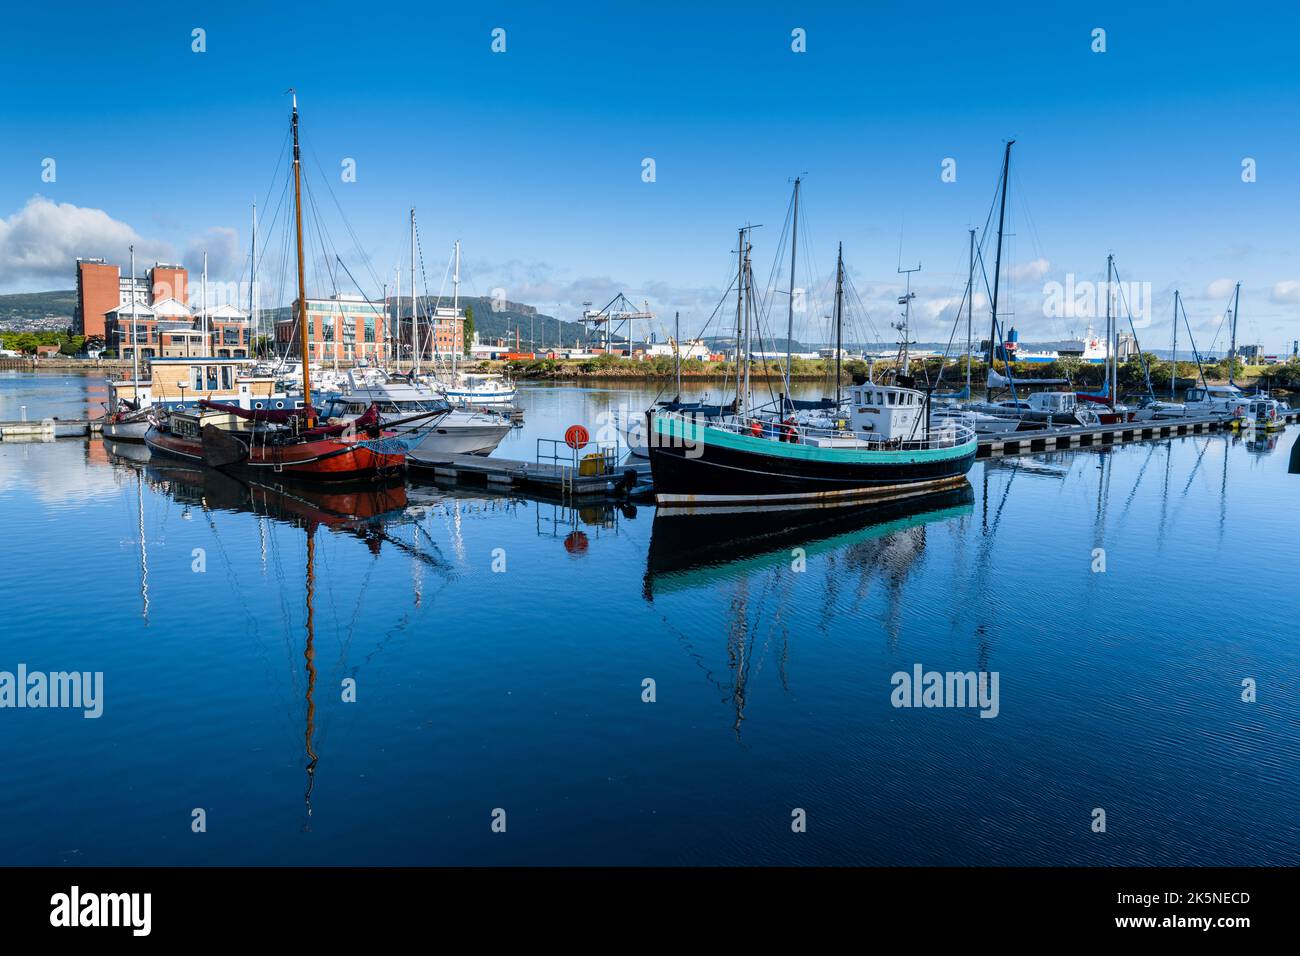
{"x":557,"y":474}
{"x":1043,"y":440}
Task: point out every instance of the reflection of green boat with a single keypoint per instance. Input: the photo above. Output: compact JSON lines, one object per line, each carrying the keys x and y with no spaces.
{"x":696,"y":548}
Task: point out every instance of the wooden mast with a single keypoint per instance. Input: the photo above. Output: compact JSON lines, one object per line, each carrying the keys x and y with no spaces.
{"x":302,"y":280}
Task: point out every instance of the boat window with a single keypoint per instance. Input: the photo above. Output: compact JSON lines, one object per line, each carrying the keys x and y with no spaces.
{"x":198,"y":377}
{"x":212,"y":378}
{"x":893,"y":398}
{"x":226,"y":381}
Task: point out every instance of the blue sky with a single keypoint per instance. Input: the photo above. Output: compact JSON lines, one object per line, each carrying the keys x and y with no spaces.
{"x":533,"y":157}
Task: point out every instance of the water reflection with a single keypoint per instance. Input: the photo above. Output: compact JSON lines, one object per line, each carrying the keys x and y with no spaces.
{"x":749,"y":552}
{"x":368,"y":511}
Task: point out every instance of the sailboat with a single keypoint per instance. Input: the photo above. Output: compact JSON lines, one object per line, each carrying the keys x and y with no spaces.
{"x":884,"y":447}
{"x":286,"y":442}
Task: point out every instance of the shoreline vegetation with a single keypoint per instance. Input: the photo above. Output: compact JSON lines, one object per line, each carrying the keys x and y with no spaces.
{"x":1283,"y":376}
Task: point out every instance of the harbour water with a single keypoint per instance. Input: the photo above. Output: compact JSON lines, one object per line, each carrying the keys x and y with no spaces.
{"x":498,"y":650}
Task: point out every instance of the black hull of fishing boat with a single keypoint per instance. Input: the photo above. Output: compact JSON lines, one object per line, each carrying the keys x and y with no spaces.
{"x":713,"y":474}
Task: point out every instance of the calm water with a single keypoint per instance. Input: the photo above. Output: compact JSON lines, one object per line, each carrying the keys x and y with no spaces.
{"x":522,"y":689}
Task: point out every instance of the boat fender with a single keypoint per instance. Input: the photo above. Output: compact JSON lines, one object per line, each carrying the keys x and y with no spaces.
{"x":1239,"y":412}
{"x":756,"y":428}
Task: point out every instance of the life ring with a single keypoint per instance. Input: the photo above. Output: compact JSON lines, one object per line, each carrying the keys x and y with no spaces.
{"x":756,"y":428}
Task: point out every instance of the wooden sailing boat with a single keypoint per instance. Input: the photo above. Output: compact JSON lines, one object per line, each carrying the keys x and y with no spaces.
{"x":285,"y":442}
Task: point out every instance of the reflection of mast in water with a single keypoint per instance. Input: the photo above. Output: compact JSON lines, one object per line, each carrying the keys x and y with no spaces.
{"x":309,"y":655}
{"x":261,"y":538}
{"x":738,"y":650}
{"x":144,"y":546}
{"x":417,"y":567}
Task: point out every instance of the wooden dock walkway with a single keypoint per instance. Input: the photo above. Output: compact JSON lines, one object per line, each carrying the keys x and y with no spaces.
{"x":1048,"y":440}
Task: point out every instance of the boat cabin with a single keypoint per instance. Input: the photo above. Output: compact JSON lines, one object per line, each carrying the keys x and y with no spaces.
{"x":190,"y":424}
{"x":887,"y":412}
{"x":1053,"y":403}
{"x":177,"y":384}
{"x":1216,"y":395}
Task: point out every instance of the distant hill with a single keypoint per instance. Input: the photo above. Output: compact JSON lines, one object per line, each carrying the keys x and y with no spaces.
{"x":37,"y":310}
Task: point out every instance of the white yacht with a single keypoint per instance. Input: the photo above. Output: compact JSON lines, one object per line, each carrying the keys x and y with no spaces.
{"x":477,"y":388}
{"x":447,"y":430}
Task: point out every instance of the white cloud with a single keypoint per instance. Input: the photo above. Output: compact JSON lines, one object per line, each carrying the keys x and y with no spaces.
{"x":41,"y":240}
{"x":1220,"y":289}
{"x":1286,"y":292}
{"x":225,"y":258}
{"x":1030,"y":270}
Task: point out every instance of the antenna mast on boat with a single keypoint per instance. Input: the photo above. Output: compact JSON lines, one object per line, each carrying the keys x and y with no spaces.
{"x":839,"y":318}
{"x":302,"y":280}
{"x":905,"y":300}
{"x":789,"y":326}
{"x":997,"y":272}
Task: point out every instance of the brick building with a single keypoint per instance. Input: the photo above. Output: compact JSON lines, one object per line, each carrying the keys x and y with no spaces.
{"x":441,"y":333}
{"x":164,"y":325}
{"x":342,"y":327}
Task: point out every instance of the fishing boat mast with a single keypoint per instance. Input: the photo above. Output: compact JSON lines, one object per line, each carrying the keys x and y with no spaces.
{"x":749,"y":318}
{"x":839,"y":318}
{"x":302,"y":279}
{"x":970,"y":307}
{"x":997,"y":273}
{"x":740,"y":293}
{"x":789,"y":325}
